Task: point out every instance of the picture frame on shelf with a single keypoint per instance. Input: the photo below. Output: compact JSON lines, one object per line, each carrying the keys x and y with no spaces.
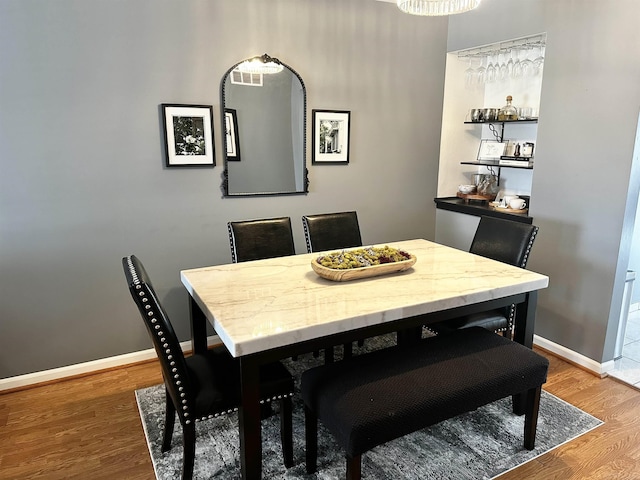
{"x":331,"y":136}
{"x":232,"y":138}
{"x":188,"y":135}
{"x":491,"y":150}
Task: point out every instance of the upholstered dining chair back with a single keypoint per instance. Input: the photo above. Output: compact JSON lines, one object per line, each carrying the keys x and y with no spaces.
{"x":504,"y":240}
{"x":260,"y":239}
{"x":165,"y":341}
{"x":331,"y":231}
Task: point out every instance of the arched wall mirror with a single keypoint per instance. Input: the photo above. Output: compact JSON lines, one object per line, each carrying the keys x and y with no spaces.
{"x":264,"y":104}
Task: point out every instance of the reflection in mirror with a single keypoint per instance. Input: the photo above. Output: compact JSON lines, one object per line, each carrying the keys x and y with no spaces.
{"x":264,"y":112}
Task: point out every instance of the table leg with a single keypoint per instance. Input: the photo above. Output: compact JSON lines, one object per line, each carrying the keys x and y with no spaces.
{"x":409,"y":336}
{"x":249,"y":419}
{"x":523,"y":334}
{"x":526,"y":320}
{"x":198,"y":327}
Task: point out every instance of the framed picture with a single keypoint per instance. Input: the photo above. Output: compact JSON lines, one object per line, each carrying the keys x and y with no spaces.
{"x":330,"y":136}
{"x":491,"y":150}
{"x":188,"y":135}
{"x":232,"y":139}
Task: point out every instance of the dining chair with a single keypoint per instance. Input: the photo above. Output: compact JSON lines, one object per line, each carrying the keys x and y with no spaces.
{"x":202,"y":386}
{"x":332,"y":231}
{"x":260,"y":239}
{"x":504,"y":240}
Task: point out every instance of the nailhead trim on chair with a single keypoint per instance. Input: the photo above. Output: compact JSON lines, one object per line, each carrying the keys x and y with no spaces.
{"x":528,"y":251}
{"x":307,"y":236}
{"x":169,"y":356}
{"x":235,"y":409}
{"x":176,"y":377}
{"x":523,"y":264}
{"x":232,"y":242}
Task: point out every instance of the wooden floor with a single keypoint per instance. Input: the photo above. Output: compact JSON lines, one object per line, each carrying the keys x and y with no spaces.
{"x":89,"y":428}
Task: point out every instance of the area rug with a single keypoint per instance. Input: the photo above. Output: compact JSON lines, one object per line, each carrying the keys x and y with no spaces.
{"x":478,"y":445}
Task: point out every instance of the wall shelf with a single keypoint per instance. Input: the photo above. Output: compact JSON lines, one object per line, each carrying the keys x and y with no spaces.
{"x":496,"y":164}
{"x":528,"y":120}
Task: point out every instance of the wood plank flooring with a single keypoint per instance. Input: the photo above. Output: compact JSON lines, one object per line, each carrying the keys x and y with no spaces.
{"x":89,"y":428}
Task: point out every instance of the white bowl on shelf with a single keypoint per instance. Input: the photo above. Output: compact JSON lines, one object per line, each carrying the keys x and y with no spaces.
{"x":467,"y":189}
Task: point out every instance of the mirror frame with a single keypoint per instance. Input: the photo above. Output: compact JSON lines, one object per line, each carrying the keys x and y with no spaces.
{"x":225,"y":181}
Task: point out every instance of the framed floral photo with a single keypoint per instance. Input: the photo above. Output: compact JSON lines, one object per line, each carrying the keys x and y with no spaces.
{"x":330,"y":136}
{"x":188,"y":135}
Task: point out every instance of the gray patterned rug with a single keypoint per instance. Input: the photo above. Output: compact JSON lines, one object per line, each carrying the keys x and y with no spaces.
{"x":479,"y":445}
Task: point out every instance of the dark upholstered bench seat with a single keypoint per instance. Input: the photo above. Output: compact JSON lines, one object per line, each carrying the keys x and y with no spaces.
{"x":380,"y":396}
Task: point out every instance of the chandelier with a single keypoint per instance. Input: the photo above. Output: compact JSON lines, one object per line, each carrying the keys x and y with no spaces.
{"x":436,"y":7}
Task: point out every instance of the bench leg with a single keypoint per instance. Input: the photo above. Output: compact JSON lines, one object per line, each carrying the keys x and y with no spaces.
{"x":519,"y":402}
{"x":531,"y":417}
{"x":354,"y":465}
{"x":311,"y":439}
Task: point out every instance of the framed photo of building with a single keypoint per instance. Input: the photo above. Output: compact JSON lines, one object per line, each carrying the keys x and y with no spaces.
{"x":330,"y":136}
{"x":188,"y":135}
{"x":232,"y":138}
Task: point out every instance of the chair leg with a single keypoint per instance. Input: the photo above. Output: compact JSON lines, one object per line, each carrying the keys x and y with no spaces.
{"x":286,"y":430}
{"x":311,"y":439}
{"x":531,"y":417}
{"x":354,"y":466}
{"x":266,"y":410}
{"x":169,"y":420}
{"x":189,"y":451}
{"x":328,"y":355}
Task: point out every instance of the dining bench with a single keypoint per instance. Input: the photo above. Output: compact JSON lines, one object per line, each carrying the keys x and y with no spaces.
{"x":383,"y":395}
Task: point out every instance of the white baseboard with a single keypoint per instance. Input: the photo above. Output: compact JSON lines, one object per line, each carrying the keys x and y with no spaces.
{"x":600,"y":369}
{"x":88,"y":367}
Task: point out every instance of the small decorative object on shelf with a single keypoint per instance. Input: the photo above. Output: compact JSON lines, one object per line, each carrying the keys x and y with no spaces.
{"x":508,"y":112}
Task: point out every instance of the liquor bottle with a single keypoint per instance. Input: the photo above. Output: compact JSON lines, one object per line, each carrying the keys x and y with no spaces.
{"x":508,"y":112}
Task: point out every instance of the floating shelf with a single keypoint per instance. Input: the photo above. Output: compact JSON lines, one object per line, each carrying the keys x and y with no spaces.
{"x":529,"y":120}
{"x":495,"y":163}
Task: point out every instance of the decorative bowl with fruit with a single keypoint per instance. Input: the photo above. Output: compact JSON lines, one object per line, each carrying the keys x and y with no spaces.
{"x":362,"y":263}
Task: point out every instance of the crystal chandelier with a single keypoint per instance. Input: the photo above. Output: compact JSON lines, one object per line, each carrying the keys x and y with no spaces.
{"x":264,"y":64}
{"x":436,"y":7}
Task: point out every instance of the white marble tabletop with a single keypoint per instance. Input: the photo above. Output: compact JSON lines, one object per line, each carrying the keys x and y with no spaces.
{"x":264,"y":304}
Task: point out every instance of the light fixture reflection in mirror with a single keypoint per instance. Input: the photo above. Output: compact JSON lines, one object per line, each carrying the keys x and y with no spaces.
{"x":265,"y":115}
{"x":264,"y":64}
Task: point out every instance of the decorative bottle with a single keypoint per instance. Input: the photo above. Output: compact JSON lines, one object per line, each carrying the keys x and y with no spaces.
{"x":508,"y":112}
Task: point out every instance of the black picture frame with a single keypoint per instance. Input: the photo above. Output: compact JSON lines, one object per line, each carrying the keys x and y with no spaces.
{"x":331,"y":136}
{"x":188,"y":135}
{"x":232,"y":137}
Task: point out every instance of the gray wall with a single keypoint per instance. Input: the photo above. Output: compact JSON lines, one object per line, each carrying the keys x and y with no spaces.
{"x":83,"y":182}
{"x":581,"y":183}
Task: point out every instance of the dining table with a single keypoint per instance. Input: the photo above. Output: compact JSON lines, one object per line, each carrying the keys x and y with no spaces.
{"x":267,"y":310}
